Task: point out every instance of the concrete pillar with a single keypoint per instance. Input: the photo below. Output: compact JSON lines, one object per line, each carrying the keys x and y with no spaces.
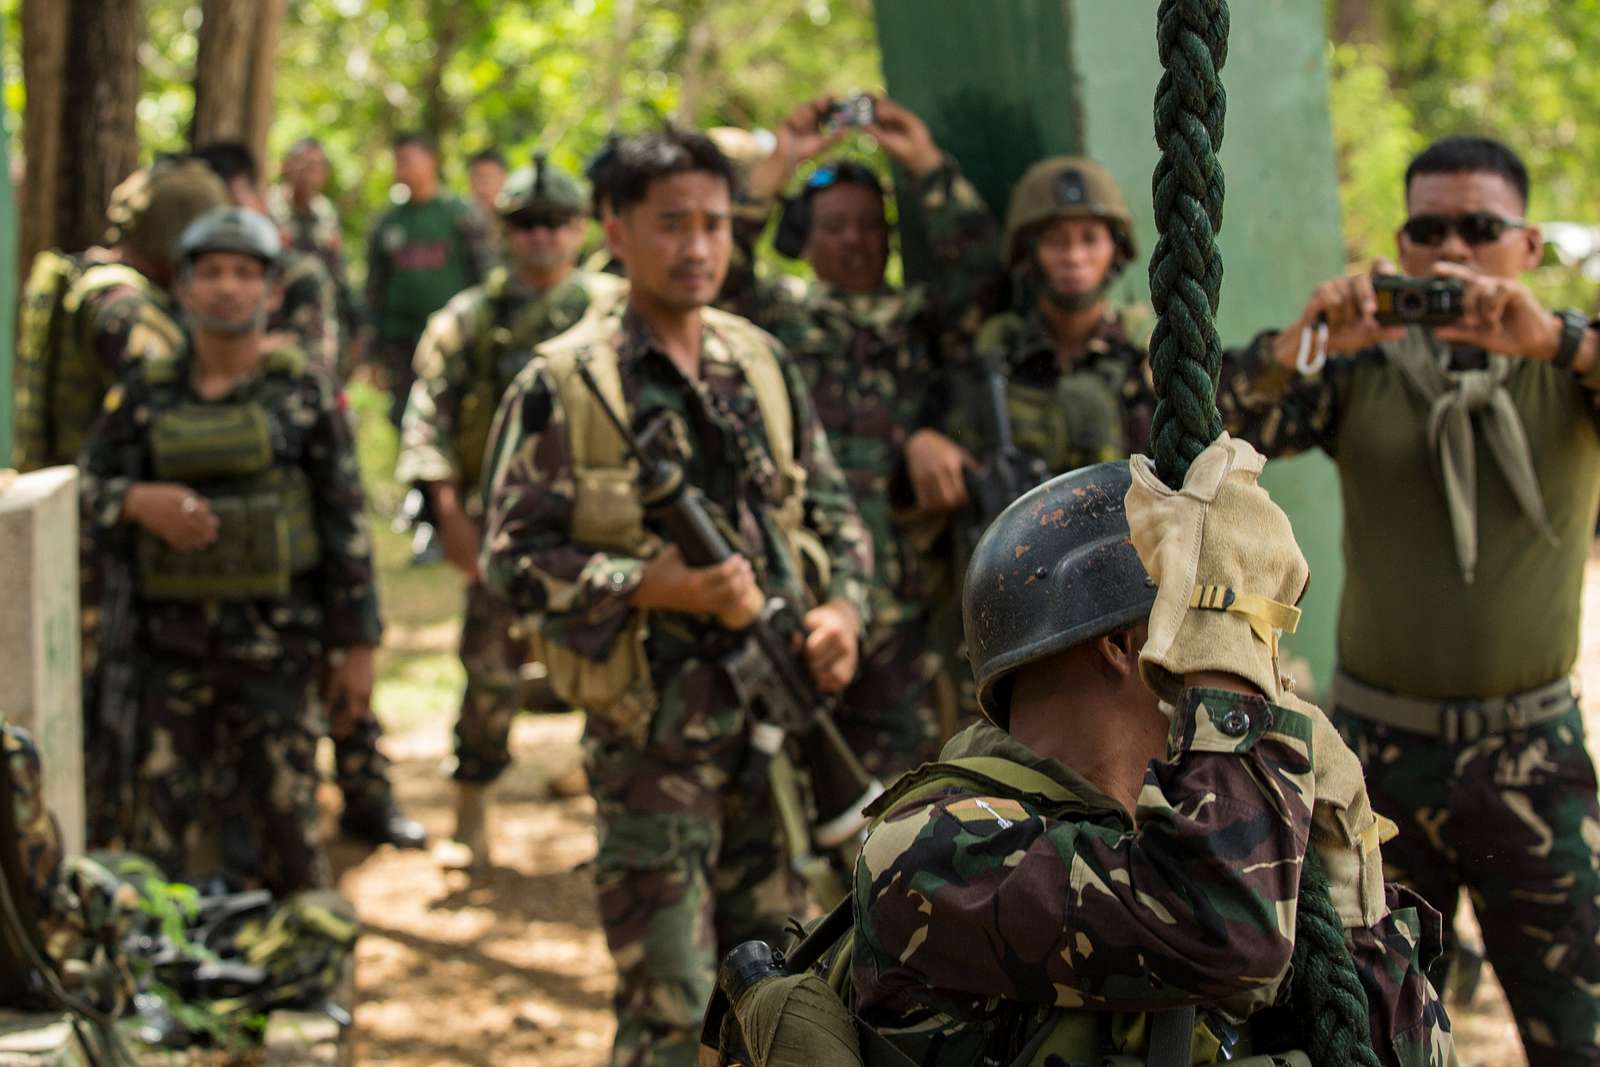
{"x":40,"y":672}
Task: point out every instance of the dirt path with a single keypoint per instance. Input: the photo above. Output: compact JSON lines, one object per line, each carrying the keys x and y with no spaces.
{"x":510,"y":968}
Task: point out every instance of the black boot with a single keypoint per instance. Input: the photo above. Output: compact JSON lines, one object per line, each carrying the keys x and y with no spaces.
{"x":382,"y":825}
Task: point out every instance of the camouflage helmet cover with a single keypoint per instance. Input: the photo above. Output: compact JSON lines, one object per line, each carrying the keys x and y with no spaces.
{"x":231,"y":229}
{"x":1065,"y":187}
{"x":152,"y":206}
{"x":542,"y":185}
{"x":1055,"y":569}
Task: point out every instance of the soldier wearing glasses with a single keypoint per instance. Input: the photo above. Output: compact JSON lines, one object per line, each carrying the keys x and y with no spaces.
{"x":468,"y":355}
{"x":1469,"y":459}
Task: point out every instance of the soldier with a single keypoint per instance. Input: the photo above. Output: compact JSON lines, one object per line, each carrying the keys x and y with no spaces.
{"x":689,"y":859}
{"x":467,"y":358}
{"x":225,"y":478}
{"x":83,"y":317}
{"x":306,"y":318}
{"x":308,"y":314}
{"x":1458,"y":626}
{"x":1068,"y":236}
{"x":1122,"y":838}
{"x":311,"y":224}
{"x":486,"y":177}
{"x":421,"y":252}
{"x":877,"y":360}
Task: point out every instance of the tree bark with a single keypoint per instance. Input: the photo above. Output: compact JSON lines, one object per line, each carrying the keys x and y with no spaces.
{"x":99,"y":143}
{"x":222,"y":71}
{"x":44,"y":50}
{"x":263,"y":77}
{"x":446,"y":26}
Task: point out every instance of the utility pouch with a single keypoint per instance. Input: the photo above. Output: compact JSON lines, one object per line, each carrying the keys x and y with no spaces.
{"x":206,"y":442}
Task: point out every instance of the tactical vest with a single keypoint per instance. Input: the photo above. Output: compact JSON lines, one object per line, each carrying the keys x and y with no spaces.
{"x":608,"y":513}
{"x":266,"y":530}
{"x":59,"y":378}
{"x":1071,"y":1037}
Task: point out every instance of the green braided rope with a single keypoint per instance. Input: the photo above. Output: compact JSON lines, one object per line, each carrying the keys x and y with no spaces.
{"x":1325,"y":995}
{"x":1186,"y":267}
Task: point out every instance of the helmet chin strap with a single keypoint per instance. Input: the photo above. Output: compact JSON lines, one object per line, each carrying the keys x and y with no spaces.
{"x":1076,"y":301}
{"x":230,"y":327}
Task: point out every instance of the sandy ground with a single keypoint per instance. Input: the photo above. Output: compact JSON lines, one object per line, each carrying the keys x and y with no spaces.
{"x":510,"y":967}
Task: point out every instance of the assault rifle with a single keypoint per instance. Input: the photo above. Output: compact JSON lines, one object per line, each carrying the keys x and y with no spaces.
{"x":1006,"y":471}
{"x":116,"y":712}
{"x":764,"y":670}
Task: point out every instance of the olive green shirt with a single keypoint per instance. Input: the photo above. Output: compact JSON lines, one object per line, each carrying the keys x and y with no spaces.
{"x":1408,"y":621}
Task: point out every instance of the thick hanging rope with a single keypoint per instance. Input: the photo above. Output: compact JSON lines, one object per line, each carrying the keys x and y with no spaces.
{"x":1186,"y":267}
{"x":1325,"y":996}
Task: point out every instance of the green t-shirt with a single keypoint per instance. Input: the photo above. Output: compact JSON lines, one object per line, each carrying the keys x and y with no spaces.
{"x":1408,"y":621}
{"x":421,"y":255}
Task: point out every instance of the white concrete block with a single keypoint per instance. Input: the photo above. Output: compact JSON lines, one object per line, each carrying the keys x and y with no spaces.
{"x":40,"y":643}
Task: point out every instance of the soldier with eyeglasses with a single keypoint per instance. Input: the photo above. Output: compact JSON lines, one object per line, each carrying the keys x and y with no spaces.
{"x":1468,"y":454}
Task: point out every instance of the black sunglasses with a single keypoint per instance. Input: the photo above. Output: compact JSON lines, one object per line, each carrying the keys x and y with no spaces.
{"x":1475,"y":228}
{"x":533,"y":221}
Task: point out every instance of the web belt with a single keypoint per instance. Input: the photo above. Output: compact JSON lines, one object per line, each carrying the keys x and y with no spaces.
{"x":1456,"y":720}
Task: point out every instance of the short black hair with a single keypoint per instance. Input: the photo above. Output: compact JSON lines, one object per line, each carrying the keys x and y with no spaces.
{"x":416,"y":138}
{"x":487,"y":155}
{"x":646,"y":158}
{"x":1471,"y":155}
{"x":598,"y":171}
{"x":229,"y":160}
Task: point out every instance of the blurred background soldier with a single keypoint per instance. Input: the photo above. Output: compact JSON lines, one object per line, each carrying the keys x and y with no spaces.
{"x":877,"y":360}
{"x":468,"y":356}
{"x":486,"y":177}
{"x":421,"y":252}
{"x":224,"y":479}
{"x":311,"y":224}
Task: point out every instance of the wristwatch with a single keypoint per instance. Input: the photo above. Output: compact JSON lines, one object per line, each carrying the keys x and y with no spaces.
{"x":1573,"y":325}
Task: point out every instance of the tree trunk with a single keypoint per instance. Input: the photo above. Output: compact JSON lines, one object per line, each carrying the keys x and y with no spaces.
{"x":446,"y":27}
{"x":99,"y":143}
{"x":263,"y":77}
{"x":222,"y":71}
{"x":696,"y":65}
{"x":44,"y":50}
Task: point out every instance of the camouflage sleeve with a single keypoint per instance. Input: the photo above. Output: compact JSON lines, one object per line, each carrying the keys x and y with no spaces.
{"x":1277,"y":410}
{"x":310,"y":311}
{"x":123,"y":324}
{"x":115,"y":456}
{"x":964,"y":240}
{"x":830,"y":510}
{"x":1410,"y":1027}
{"x":348,"y":583}
{"x":428,"y":428}
{"x":580,"y":597}
{"x":478,"y":243}
{"x":982,"y":896}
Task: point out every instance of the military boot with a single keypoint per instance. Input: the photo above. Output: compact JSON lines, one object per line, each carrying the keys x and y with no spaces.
{"x":382,"y":824}
{"x":468,"y":847}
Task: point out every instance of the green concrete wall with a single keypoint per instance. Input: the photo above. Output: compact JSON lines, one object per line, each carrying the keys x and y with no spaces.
{"x":8,"y":289}
{"x":1003,"y":82}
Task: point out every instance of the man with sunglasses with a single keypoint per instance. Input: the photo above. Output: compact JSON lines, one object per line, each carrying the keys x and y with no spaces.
{"x":1469,"y":460}
{"x":468,"y":355}
{"x":876,"y":359}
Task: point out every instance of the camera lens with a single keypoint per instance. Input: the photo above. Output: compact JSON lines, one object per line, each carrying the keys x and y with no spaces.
{"x":1411,"y":304}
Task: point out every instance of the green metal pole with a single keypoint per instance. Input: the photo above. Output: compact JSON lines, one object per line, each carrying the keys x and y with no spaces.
{"x":1003,"y":83}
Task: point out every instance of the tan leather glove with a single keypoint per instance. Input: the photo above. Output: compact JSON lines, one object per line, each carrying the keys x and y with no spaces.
{"x":1228,"y":568}
{"x":1344,"y":829}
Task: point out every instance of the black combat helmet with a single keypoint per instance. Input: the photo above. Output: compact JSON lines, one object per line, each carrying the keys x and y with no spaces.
{"x":1055,"y":569}
{"x":231,"y":229}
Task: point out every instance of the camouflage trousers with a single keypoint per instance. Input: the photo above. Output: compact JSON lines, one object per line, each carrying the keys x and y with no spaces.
{"x":1513,"y":817}
{"x":360,"y":768}
{"x":492,"y":652}
{"x":227,"y":754}
{"x":394,"y":361}
{"x":691,"y":864}
{"x":891,"y":714}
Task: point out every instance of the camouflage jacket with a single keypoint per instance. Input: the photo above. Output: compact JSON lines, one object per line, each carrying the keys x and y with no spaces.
{"x":332,"y":606}
{"x":982,"y":918}
{"x":473,"y":348}
{"x":115,"y":320}
{"x":315,"y":230}
{"x":84,"y":913}
{"x":309,"y":311}
{"x":880,"y":367}
{"x":579,"y":596}
{"x":1019,"y":343}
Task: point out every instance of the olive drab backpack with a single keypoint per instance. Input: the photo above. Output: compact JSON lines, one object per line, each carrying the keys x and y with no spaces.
{"x":59,"y":379}
{"x":772,"y":1011}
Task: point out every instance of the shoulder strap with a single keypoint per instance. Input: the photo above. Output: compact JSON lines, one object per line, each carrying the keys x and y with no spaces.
{"x":593,"y":440}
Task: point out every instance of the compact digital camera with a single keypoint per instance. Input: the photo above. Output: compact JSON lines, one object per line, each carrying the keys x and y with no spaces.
{"x":1406,"y":301}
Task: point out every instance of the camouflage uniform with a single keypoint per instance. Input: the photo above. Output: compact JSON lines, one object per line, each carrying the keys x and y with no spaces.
{"x":309,"y":311}
{"x":317,"y":231}
{"x":1115,"y":354}
{"x":472,"y":350}
{"x":880,"y":368}
{"x":690,"y":862}
{"x":984,"y":917}
{"x":228,"y":728}
{"x":83,"y":912}
{"x":1511,"y":815}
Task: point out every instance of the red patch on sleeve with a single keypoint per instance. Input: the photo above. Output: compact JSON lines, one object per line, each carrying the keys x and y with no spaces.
{"x":341,"y":401}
